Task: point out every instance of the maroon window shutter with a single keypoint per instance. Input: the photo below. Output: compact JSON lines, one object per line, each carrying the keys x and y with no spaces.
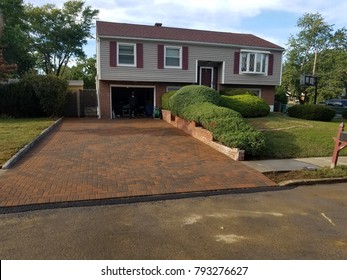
{"x":113,"y":54}
{"x":271,"y":65}
{"x":139,"y":55}
{"x":236,"y":63}
{"x":185,"y":58}
{"x":160,"y":56}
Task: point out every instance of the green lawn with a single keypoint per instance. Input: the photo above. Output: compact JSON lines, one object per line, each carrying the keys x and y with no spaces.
{"x":290,"y":138}
{"x":16,"y":133}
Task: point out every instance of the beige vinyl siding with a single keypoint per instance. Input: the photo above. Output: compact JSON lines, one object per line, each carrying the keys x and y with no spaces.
{"x":151,"y":73}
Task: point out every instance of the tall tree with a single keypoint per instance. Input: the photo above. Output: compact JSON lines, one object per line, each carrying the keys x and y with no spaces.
{"x":15,"y":39}
{"x":59,"y":34}
{"x":315,"y":42}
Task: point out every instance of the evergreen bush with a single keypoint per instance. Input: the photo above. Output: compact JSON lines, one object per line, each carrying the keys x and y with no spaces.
{"x":249,"y":106}
{"x":18,"y":100}
{"x":201,"y":104}
{"x":312,"y":112}
{"x":227,"y":126}
{"x":51,"y":92}
{"x":34,"y":96}
{"x":165,"y":99}
{"x":189,"y":95}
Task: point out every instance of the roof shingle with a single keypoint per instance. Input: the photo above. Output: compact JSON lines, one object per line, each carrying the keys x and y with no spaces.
{"x":113,"y":29}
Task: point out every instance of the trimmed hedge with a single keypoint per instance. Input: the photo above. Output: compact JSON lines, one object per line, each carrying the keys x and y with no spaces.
{"x":34,"y":96}
{"x":189,"y":95}
{"x":165,"y":99}
{"x":249,"y":106}
{"x":227,"y":126}
{"x":19,"y":100}
{"x":206,"y":111}
{"x":311,"y":112}
{"x":51,"y":91}
{"x":201,"y":104}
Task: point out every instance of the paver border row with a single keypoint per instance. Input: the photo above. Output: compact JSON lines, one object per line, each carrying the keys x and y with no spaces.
{"x":135,"y":199}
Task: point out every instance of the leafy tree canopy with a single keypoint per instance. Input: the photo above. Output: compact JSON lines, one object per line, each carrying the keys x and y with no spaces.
{"x":59,"y":34}
{"x":316,"y":38}
{"x":83,"y":70}
{"x":15,"y":40}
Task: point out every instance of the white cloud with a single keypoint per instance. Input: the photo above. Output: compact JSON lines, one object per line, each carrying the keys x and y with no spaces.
{"x":219,"y":15}
{"x":140,"y":11}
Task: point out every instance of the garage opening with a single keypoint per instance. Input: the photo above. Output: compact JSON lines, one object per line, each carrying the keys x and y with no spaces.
{"x":120,"y":98}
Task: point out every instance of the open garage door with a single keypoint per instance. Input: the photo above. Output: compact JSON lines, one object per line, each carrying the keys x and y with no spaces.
{"x":120,"y":101}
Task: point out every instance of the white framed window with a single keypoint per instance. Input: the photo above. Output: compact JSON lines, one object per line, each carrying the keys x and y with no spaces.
{"x":173,"y":57}
{"x":254,"y":62}
{"x":126,"y":54}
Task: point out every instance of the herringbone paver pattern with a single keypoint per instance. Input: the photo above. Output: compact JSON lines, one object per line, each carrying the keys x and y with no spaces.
{"x":93,"y":159}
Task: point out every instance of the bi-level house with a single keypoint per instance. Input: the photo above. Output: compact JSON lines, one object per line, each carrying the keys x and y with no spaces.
{"x":151,"y":60}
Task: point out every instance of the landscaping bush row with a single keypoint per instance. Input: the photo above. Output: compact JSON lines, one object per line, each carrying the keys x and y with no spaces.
{"x":165,"y":99}
{"x":19,"y":101}
{"x":201,"y":104}
{"x":248,"y":105}
{"x":311,"y":112}
{"x":33,"y":96}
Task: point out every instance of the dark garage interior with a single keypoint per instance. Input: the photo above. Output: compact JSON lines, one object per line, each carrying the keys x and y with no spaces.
{"x":120,"y":101}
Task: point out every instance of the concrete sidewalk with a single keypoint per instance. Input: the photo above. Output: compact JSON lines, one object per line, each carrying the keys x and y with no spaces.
{"x":293,"y":163}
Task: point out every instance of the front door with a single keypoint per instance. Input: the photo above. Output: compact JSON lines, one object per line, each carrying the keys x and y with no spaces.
{"x":206,"y":76}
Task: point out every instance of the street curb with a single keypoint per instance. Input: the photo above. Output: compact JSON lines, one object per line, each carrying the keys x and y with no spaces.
{"x":133,"y":199}
{"x":311,"y":182}
{"x":8,"y":164}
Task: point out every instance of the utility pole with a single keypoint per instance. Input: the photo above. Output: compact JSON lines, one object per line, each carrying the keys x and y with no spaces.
{"x":315,"y":77}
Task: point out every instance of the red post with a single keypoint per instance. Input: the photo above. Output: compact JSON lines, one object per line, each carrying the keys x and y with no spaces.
{"x":339,"y":145}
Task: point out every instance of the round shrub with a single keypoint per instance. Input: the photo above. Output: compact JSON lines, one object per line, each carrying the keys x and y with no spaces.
{"x":189,"y":95}
{"x":311,"y":112}
{"x":249,"y":106}
{"x":165,"y":99}
{"x":206,"y":111}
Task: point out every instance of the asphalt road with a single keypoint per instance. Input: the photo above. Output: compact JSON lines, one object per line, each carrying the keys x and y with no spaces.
{"x":307,"y":222}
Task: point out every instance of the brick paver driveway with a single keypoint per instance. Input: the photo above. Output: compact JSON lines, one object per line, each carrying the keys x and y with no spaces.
{"x":90,"y":159}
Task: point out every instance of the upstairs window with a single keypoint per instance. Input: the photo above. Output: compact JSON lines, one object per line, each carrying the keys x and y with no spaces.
{"x":254,"y":62}
{"x":126,"y":54}
{"x":173,"y":57}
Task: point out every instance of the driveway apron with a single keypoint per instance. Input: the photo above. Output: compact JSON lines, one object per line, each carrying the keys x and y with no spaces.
{"x":93,"y":160}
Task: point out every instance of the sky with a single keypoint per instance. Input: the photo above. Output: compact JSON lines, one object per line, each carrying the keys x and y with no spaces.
{"x":272,"y":20}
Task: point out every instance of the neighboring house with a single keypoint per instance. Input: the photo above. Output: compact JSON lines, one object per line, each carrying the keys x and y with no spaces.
{"x":152,"y":60}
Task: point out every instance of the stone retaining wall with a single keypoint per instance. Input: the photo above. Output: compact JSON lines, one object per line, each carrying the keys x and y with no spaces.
{"x":202,"y":134}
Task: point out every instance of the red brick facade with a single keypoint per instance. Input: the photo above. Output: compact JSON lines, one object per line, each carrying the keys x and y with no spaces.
{"x":267,"y":93}
{"x":105,"y":94}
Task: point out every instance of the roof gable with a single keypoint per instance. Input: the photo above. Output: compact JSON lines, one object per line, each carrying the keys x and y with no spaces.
{"x":112,"y":29}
